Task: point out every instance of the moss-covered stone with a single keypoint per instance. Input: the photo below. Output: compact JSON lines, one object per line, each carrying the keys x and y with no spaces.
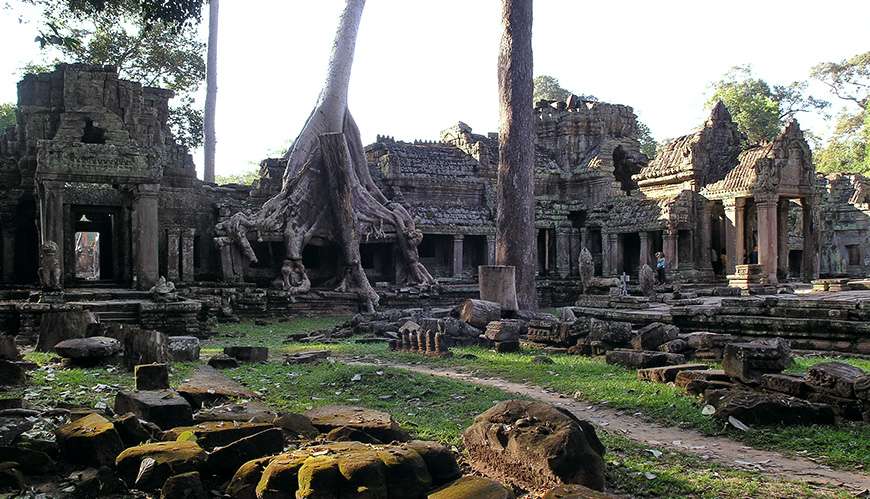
{"x":170,"y":458}
{"x":244,"y":483}
{"x":183,"y":486}
{"x":280,"y":479}
{"x":439,"y":461}
{"x":472,"y":486}
{"x":91,"y":440}
{"x":211,"y":434}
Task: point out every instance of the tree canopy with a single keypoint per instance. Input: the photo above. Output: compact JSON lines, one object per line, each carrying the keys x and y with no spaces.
{"x":7,"y":115}
{"x":848,"y":150}
{"x":758,"y":108}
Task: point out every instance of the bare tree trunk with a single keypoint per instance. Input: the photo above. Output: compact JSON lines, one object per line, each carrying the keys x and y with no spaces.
{"x":328,"y":192}
{"x":515,"y":219}
{"x":211,"y":92}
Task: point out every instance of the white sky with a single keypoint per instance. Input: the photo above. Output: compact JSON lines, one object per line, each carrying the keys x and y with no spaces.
{"x":422,"y":65}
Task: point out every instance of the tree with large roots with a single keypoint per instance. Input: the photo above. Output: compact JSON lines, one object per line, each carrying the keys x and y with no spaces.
{"x":327,"y":189}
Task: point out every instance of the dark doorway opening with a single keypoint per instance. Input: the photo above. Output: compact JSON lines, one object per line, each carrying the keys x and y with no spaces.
{"x":630,"y":252}
{"x":795,"y":263}
{"x":378,"y":262}
{"x":26,"y":253}
{"x":322,"y":263}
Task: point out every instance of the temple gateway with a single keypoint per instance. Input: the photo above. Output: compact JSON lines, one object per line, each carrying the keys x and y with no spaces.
{"x":92,"y":167}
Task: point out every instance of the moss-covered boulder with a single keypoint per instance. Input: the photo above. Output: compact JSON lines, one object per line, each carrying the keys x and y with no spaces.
{"x":90,"y":440}
{"x":473,"y":486}
{"x":211,"y":434}
{"x":350,"y":469}
{"x":169,"y":458}
{"x":378,"y":424}
{"x":244,"y":482}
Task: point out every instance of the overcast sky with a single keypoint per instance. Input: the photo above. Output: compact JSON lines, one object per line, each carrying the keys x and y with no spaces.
{"x":422,"y":65}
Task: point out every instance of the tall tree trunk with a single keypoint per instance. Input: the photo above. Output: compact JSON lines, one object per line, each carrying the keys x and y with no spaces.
{"x":515,"y":242}
{"x":211,"y":91}
{"x":328,"y":192}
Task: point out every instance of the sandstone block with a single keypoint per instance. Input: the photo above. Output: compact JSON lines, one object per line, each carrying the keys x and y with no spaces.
{"x":164,"y":408}
{"x":91,"y":440}
{"x":761,"y":408}
{"x":151,"y":376}
{"x":376,"y":423}
{"x":184,"y":348}
{"x":227,"y":459}
{"x":170,"y":458}
{"x":748,"y":361}
{"x":248,"y":353}
{"x":835,"y":378}
{"x":667,"y":374}
{"x":473,"y":486}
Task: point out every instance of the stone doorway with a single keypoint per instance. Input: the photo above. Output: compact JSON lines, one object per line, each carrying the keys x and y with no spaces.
{"x":630,"y":253}
{"x":96,"y":253}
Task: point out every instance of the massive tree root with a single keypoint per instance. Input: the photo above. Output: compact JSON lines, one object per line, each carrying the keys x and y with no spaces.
{"x":327,"y":189}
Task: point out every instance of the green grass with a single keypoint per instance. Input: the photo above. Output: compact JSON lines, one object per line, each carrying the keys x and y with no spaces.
{"x":273,"y":336}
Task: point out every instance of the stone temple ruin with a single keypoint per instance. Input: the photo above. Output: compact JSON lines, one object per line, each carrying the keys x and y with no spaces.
{"x":98,"y":186}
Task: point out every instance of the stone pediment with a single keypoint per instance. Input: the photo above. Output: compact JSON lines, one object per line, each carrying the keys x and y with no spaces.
{"x":95,"y":163}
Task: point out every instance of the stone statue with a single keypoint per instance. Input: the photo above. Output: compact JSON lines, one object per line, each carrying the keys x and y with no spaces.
{"x":587,"y":269}
{"x":295,"y":280}
{"x":49,"y":267}
{"x":164,"y":291}
{"x":647,"y":280}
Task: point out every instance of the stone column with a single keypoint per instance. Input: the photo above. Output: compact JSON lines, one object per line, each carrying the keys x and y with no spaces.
{"x":458,"y":240}
{"x":8,"y":249}
{"x":490,"y":250}
{"x":615,"y":254}
{"x":145,"y":206}
{"x":740,"y":231}
{"x":52,"y":217}
{"x":187,"y":270}
{"x":605,"y":254}
{"x":172,"y":242}
{"x":644,"y":248}
{"x":782,"y":238}
{"x":563,"y":252}
{"x":575,"y":251}
{"x":810,"y":264}
{"x":706,"y":264}
{"x":768,"y":242}
{"x":670,"y":249}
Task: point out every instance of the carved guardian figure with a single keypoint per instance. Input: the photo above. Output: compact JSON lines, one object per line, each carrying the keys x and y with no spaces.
{"x":587,"y":269}
{"x":49,"y":267}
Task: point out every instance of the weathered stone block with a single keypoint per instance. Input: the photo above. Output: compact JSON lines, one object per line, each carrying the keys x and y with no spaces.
{"x":652,"y":336}
{"x":227,"y":459}
{"x":674,"y":346}
{"x":542,"y":448}
{"x":88,"y":351}
{"x":376,"y":423}
{"x":222,"y":361}
{"x":12,"y":373}
{"x":184,"y":485}
{"x":507,"y":346}
{"x":165,"y":408}
{"x":184,"y":348}
{"x":8,"y":348}
{"x":472,"y":486}
{"x":248,"y":353}
{"x":506,"y":330}
{"x":213,"y":434}
{"x":151,"y":377}
{"x":170,"y":458}
{"x":667,"y":374}
{"x":91,"y":440}
{"x":748,"y":361}
{"x":639,"y":359}
{"x":762,"y":408}
{"x":834,"y":378}
{"x":784,"y":383}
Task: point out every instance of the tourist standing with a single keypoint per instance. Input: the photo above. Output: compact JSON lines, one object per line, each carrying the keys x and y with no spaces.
{"x":661,"y":263}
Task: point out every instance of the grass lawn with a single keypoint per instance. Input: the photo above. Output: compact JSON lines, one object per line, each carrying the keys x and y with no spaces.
{"x":589,"y":378}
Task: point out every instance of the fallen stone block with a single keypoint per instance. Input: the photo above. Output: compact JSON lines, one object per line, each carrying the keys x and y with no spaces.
{"x":439,"y":460}
{"x":296,"y":425}
{"x":88,"y":351}
{"x":169,"y":458}
{"x":504,"y":331}
{"x":667,"y":374}
{"x":134,"y":431}
{"x":652,"y":336}
{"x":747,"y":362}
{"x":376,"y":423}
{"x":91,"y":440}
{"x":184,"y":348}
{"x":473,"y":486}
{"x":213,"y":434}
{"x":674,"y":346}
{"x":251,"y":410}
{"x":641,"y":359}
{"x":535,"y":446}
{"x":183,"y":486}
{"x":611,"y":333}
{"x":8,"y":348}
{"x":834,"y":378}
{"x":227,"y":459}
{"x":165,"y":408}
{"x":61,"y":325}
{"x":222,"y":361}
{"x":12,"y":373}
{"x":507,"y":346}
{"x":29,"y":461}
{"x":795,"y":386}
{"x":209,"y":386}
{"x":845,"y":408}
{"x":306,"y":357}
{"x":243,"y":485}
{"x":151,"y":377}
{"x":763,"y":408}
{"x":247,"y":353}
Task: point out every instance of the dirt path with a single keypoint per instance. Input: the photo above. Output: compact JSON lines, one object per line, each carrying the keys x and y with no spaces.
{"x":718,"y":449}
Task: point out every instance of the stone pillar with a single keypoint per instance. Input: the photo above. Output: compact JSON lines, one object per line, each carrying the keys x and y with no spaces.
{"x":810,"y":264}
{"x":490,"y":250}
{"x":8,"y":249}
{"x":670,"y":249}
{"x":768,"y":242}
{"x":644,"y":248}
{"x":615,"y":254}
{"x":782,"y":238}
{"x":605,"y":254}
{"x":172,"y":242}
{"x":145,"y":206}
{"x":52,"y":217}
{"x":706,"y":264}
{"x":735,"y":247}
{"x":575,"y":251}
{"x":563,"y":252}
{"x":458,"y":240}
{"x":187,"y":270}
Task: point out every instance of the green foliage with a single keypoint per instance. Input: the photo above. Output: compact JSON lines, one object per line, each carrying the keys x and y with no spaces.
{"x":849,"y":148}
{"x":243,"y":178}
{"x":7,"y":115}
{"x":547,"y":88}
{"x":758,"y":108}
{"x":132,"y":36}
{"x":648,"y":144}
